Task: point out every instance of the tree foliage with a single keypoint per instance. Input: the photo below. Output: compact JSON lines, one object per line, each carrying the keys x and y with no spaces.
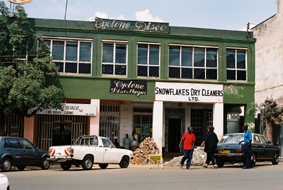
{"x":24,"y":83}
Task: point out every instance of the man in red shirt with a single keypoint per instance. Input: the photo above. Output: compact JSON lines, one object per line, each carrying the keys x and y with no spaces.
{"x":189,"y":140}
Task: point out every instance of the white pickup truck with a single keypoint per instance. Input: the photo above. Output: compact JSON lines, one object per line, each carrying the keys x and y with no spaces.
{"x":89,"y":150}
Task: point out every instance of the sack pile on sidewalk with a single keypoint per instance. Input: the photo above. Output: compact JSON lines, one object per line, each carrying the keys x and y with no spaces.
{"x":141,"y":154}
{"x":199,"y":158}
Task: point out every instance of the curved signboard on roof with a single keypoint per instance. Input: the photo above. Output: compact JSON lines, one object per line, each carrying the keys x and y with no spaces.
{"x":20,"y":1}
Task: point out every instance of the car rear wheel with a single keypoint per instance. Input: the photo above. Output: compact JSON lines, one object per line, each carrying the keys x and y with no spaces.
{"x":220,"y":164}
{"x":253,"y":160}
{"x":103,"y":166}
{"x":87,"y":163}
{"x":45,"y":164}
{"x":21,"y":168}
{"x":7,"y":164}
{"x":275,"y":159}
{"x":66,"y":165}
{"x":124,"y":162}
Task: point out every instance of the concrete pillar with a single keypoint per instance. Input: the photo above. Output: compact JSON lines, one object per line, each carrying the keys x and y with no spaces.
{"x":218,"y":119}
{"x":29,"y":129}
{"x":94,"y":120}
{"x":157,"y":124}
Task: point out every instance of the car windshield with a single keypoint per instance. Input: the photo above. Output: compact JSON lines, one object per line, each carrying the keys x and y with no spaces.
{"x":232,"y":138}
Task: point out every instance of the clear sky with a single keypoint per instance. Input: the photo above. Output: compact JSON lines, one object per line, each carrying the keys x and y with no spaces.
{"x":217,"y":14}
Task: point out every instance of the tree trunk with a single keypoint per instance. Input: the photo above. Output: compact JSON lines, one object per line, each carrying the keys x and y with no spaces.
{"x":269,"y":131}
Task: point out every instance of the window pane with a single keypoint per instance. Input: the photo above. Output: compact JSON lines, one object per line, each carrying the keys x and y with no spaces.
{"x":154,"y":71}
{"x":121,"y":52}
{"x":14,"y":143}
{"x":85,"y":68}
{"x":230,"y":59}
{"x":58,"y":50}
{"x":71,"y":51}
{"x":107,"y":53}
{"x":71,"y":68}
{"x":107,"y":69}
{"x":142,"y":54}
{"x":187,"y":54}
{"x":187,"y":73}
{"x":241,"y":75}
{"x":199,"y":57}
{"x":153,"y":55}
{"x":142,"y":71}
{"x":174,"y":72}
{"x":60,"y":66}
{"x":211,"y":58}
{"x":174,"y":55}
{"x":120,"y":69}
{"x":85,"y":51}
{"x":211,"y":74}
{"x":199,"y":74}
{"x":231,"y":75}
{"x":241,"y":59}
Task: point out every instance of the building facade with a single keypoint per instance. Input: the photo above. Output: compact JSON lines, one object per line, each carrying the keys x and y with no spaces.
{"x":269,"y":79}
{"x":151,"y":78}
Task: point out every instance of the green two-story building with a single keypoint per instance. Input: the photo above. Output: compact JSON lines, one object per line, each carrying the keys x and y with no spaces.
{"x":121,"y":76}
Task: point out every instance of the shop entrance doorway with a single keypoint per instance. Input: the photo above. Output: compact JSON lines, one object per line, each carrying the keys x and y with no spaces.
{"x":174,"y":135}
{"x":61,"y":134}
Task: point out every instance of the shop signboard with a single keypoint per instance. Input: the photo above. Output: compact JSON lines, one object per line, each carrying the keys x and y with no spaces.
{"x":136,"y":26}
{"x":72,"y":109}
{"x":128,"y":87}
{"x":189,"y":92}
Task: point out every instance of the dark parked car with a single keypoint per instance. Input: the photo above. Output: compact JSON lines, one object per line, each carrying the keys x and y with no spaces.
{"x":19,"y":152}
{"x":229,"y":149}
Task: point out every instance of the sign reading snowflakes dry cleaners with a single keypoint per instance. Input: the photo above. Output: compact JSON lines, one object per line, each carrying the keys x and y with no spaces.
{"x":138,"y":26}
{"x":189,"y":92}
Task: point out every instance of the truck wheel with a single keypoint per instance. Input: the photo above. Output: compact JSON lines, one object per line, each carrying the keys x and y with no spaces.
{"x":45,"y":164}
{"x":21,"y":168}
{"x":87,"y":163}
{"x":275,"y":159}
{"x":6,"y":165}
{"x":103,"y":166}
{"x":124,"y":162}
{"x":66,"y":165}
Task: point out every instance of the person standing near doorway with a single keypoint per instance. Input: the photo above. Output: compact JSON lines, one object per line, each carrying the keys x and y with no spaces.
{"x":189,"y":140}
{"x":134,"y":143}
{"x":210,"y":142}
{"x":126,"y":142}
{"x":247,"y":147}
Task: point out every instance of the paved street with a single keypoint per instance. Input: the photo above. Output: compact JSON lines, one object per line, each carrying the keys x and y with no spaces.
{"x":265,"y":176}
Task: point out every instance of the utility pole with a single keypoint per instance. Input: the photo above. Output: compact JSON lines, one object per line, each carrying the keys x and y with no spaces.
{"x":66,"y":9}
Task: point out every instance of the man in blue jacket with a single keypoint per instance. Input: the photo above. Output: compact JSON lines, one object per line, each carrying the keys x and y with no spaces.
{"x":247,"y":147}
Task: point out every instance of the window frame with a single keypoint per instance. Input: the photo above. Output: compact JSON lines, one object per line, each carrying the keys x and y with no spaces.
{"x":193,"y":56}
{"x":64,"y":61}
{"x":236,"y":69}
{"x":114,"y":42}
{"x":147,"y":61}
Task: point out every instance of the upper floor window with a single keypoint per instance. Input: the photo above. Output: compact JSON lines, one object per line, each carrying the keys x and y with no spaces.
{"x":114,"y":58}
{"x":148,"y":60}
{"x":71,"y":56}
{"x":236,"y":64}
{"x":192,"y":62}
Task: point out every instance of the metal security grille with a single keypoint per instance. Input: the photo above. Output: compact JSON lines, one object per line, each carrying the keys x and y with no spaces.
{"x":209,"y":117}
{"x":46,"y":123}
{"x":109,"y":121}
{"x":14,"y":125}
{"x":197,"y":124}
{"x":143,"y":122}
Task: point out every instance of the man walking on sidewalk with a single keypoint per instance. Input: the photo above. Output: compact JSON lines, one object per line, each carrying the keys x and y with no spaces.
{"x":189,"y":140}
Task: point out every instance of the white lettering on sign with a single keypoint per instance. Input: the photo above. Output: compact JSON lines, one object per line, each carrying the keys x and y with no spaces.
{"x":189,"y":92}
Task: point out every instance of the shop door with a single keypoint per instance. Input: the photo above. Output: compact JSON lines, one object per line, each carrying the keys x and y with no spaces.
{"x":174,"y":135}
{"x":61,"y":134}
